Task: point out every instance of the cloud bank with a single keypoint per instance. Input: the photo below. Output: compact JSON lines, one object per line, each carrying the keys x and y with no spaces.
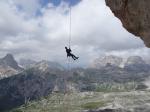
{"x":30,"y":30}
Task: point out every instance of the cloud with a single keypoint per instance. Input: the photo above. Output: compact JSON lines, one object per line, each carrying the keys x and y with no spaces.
{"x":95,"y":31}
{"x":31,"y":7}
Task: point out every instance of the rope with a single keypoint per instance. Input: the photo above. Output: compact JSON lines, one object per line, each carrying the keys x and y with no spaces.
{"x":70,"y":35}
{"x":69,"y":41}
{"x":68,"y":63}
{"x":70,"y":24}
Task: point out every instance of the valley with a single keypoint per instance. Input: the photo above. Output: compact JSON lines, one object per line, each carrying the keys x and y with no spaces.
{"x":133,"y":101}
{"x":48,"y":87}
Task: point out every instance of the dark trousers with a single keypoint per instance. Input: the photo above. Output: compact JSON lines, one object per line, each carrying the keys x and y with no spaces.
{"x":72,"y":55}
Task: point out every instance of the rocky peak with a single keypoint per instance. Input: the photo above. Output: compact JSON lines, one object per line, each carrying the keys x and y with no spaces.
{"x":8,"y":66}
{"x":9,"y":60}
{"x":27,"y":63}
{"x":107,"y":60}
{"x":47,"y":65}
{"x":43,"y":65}
{"x":9,"y":57}
{"x":135,"y":60}
{"x":136,"y":64}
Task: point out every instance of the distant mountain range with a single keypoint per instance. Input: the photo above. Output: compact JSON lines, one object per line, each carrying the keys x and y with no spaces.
{"x":104,"y":60}
{"x":132,"y":63}
{"x":39,"y":79}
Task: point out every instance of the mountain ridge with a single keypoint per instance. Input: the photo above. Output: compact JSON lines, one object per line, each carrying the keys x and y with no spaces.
{"x":44,"y":77}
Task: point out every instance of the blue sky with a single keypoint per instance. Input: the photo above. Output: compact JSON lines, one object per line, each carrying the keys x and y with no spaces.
{"x":57,"y":2}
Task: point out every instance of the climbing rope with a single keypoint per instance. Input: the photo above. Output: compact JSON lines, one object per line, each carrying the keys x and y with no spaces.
{"x":66,"y":98}
{"x":70,"y":24}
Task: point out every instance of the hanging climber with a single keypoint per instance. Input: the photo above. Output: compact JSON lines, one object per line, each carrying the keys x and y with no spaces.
{"x":69,"y":54}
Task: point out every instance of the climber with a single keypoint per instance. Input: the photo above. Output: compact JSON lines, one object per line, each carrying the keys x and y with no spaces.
{"x":69,"y":54}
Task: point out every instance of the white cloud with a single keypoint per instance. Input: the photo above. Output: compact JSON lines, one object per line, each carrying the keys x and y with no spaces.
{"x":30,"y":7}
{"x":95,"y":31}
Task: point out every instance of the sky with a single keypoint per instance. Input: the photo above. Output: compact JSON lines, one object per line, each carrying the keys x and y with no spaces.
{"x":39,"y":30}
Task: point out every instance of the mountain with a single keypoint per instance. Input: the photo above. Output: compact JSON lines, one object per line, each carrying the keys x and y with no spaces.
{"x":104,"y":60}
{"x":9,"y":60}
{"x":26,"y":86}
{"x":42,"y":65}
{"x":134,"y":60}
{"x":6,"y":71}
{"x":132,"y":63}
{"x":9,"y":66}
{"x":48,"y":65}
{"x":46,"y":77}
{"x":40,"y":81}
{"x":32,"y":84}
{"x":136,"y":64}
{"x":27,"y":63}
{"x":91,"y":79}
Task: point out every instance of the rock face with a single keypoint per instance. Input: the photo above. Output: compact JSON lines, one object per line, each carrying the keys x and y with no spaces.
{"x":48,"y":65}
{"x":132,"y":63}
{"x":105,"y":60}
{"x":134,"y":15}
{"x":9,"y":60}
{"x":21,"y":88}
{"x":8,"y":66}
{"x":31,"y":84}
{"x":27,"y":63}
{"x":137,"y":64}
{"x":6,"y":71}
{"x":135,"y":60}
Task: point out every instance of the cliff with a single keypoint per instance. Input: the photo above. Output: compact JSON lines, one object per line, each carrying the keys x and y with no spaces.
{"x":134,"y":15}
